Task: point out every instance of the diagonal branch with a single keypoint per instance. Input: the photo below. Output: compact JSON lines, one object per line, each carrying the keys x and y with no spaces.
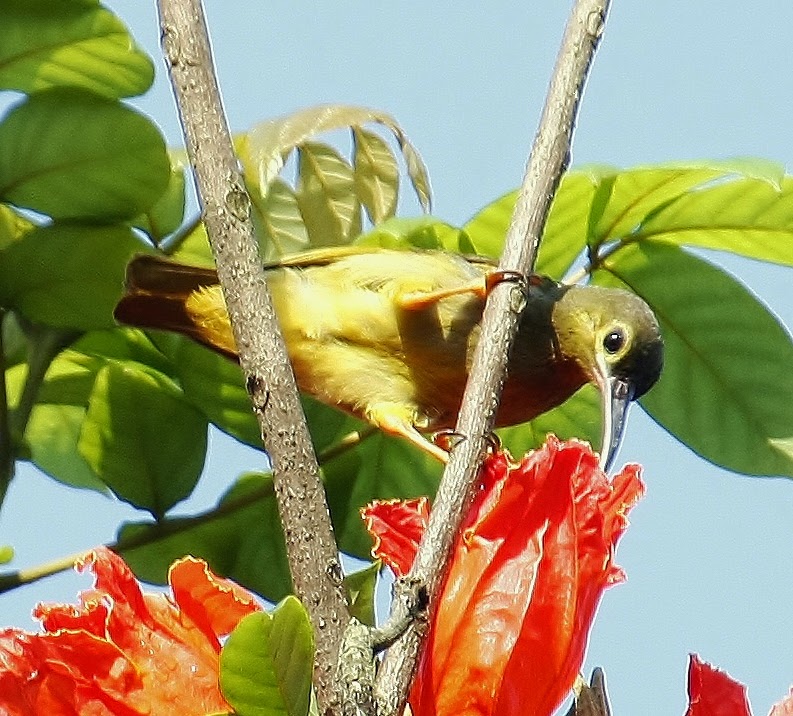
{"x":547,"y":162}
{"x":311,"y":548}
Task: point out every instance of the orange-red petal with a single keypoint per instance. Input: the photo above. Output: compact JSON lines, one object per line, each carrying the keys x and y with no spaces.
{"x":122,"y":652}
{"x":528,"y":570}
{"x":712,"y":692}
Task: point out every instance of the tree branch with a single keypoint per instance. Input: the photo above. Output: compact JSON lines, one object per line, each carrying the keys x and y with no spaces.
{"x":311,"y":548}
{"x":547,"y":162}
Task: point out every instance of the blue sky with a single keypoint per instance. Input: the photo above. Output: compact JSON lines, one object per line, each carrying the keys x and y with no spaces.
{"x":708,"y":553}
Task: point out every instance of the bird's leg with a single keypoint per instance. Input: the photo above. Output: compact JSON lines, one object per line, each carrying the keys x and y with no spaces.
{"x":419,"y":300}
{"x":399,"y":419}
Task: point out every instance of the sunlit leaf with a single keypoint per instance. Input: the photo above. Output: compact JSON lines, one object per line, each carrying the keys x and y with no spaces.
{"x":12,"y":226}
{"x":325,"y":195}
{"x":726,"y":389}
{"x":423,"y":232}
{"x":565,"y":231}
{"x":264,"y":148}
{"x":745,"y":216}
{"x":376,"y":175}
{"x":267,"y":662}
{"x":67,"y":275}
{"x":280,"y":222}
{"x":45,"y":44}
{"x":166,"y":215}
{"x":75,"y":155}
{"x":241,"y":539}
{"x":142,"y":438}
{"x":193,"y":246}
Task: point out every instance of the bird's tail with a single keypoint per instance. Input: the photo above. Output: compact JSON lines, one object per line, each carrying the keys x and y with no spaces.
{"x":156,"y":296}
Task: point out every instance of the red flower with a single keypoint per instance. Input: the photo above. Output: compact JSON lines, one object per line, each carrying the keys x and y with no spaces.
{"x":534,"y":556}
{"x":712,"y":692}
{"x":122,"y":651}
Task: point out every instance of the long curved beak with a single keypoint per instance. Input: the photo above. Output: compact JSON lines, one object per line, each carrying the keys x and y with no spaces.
{"x":616,"y":397}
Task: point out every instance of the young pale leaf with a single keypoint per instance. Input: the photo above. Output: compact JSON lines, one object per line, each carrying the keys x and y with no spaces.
{"x":142,"y":438}
{"x":325,"y":195}
{"x":72,"y":154}
{"x":67,"y":275}
{"x":45,"y":44}
{"x":263,"y":150}
{"x":565,"y":232}
{"x":281,"y":227}
{"x":376,"y":175}
{"x":267,"y":663}
{"x":241,"y":539}
{"x":726,"y":389}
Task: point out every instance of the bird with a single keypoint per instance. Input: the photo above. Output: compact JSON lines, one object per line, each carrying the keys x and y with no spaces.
{"x":388,"y":335}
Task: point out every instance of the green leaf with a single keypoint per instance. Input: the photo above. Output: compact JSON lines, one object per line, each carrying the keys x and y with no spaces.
{"x":6,"y":553}
{"x":241,"y":539}
{"x":267,"y":662}
{"x":12,"y":226}
{"x":578,"y":417}
{"x":326,"y":197}
{"x":166,"y":215}
{"x":213,"y":384}
{"x":376,"y":175}
{"x":67,"y":275}
{"x":264,"y":148}
{"x":360,"y":587}
{"x":75,"y":155}
{"x":45,"y":44}
{"x":726,"y":390}
{"x":142,"y":438}
{"x":381,"y":467}
{"x":280,"y":223}
{"x":424,"y":232}
{"x":565,"y":231}
{"x":636,"y":194}
{"x":745,"y":216}
{"x":57,"y":418}
{"x":193,"y":247}
{"x":53,"y":433}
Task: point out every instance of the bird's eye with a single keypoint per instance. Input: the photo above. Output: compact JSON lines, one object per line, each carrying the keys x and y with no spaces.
{"x":613,"y":341}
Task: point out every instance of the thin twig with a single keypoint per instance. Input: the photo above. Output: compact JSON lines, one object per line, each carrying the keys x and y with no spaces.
{"x":311,"y":548}
{"x":548,"y":160}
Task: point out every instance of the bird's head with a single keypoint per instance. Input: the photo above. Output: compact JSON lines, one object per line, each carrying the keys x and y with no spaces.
{"x":614,"y":337}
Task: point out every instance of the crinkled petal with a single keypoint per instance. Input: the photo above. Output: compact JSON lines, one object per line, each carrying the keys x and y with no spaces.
{"x":214,"y":605}
{"x":122,"y":652}
{"x":397,"y":527}
{"x":712,"y":692}
{"x":534,"y":556}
